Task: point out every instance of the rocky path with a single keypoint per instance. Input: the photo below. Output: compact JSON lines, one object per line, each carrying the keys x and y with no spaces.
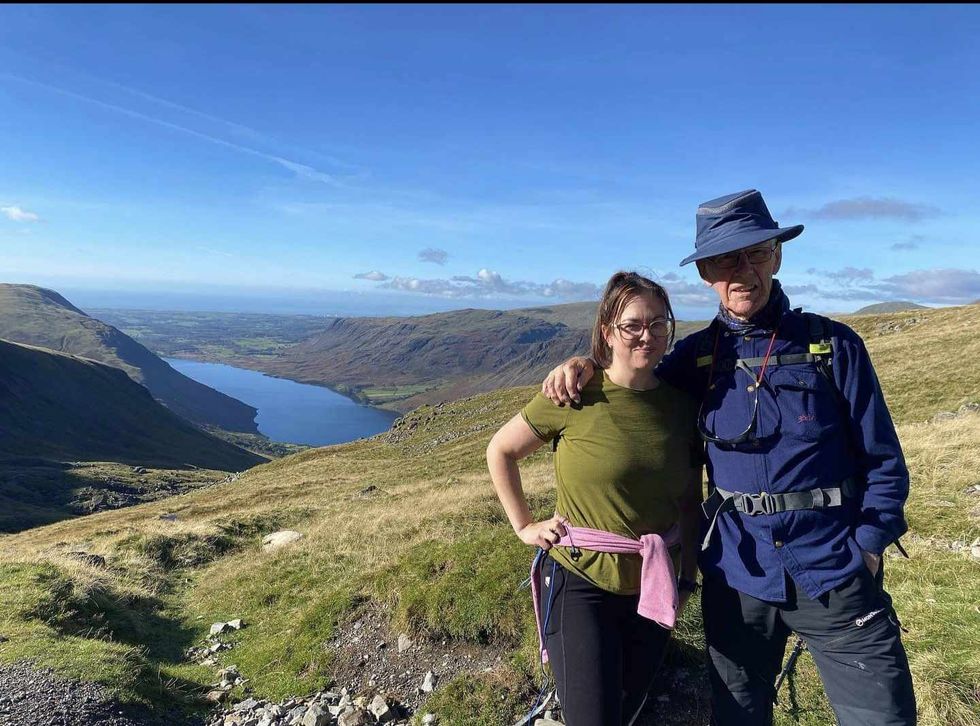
{"x":36,"y":697}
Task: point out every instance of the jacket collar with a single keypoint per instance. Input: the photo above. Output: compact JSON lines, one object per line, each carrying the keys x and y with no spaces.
{"x":763,"y":321}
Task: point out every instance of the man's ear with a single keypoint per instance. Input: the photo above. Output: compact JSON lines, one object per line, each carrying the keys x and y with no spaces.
{"x":779,"y":258}
{"x":701,"y":271}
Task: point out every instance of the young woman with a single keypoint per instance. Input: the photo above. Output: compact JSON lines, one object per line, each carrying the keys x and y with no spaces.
{"x":628,"y":479}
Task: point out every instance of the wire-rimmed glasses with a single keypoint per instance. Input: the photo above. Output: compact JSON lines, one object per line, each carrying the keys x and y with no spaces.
{"x":755,"y":255}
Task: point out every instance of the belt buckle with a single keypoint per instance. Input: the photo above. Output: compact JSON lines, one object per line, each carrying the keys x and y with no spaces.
{"x":761,"y":504}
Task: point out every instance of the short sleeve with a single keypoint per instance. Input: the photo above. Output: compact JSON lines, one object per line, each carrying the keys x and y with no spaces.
{"x":546,"y":420}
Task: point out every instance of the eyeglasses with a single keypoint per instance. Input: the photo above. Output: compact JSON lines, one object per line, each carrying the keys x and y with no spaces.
{"x":755,"y":256}
{"x":633,"y":329}
{"x":748,"y":433}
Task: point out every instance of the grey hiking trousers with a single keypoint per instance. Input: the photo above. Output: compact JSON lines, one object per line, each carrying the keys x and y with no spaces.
{"x":851,"y":632}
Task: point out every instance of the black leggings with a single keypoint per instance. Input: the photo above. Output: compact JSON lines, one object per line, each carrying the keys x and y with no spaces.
{"x":603,"y":654}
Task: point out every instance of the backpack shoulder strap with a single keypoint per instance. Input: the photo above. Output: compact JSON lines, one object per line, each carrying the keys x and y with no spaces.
{"x":821,"y":334}
{"x":704,"y":354}
{"x":822,"y":349}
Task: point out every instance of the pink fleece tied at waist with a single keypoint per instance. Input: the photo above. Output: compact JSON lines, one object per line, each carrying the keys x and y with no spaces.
{"x":658,"y":583}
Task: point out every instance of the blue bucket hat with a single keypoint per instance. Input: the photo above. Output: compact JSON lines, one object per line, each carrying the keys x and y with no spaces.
{"x":734,"y":222}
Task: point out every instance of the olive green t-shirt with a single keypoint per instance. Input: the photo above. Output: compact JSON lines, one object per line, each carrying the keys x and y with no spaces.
{"x":624,"y":459}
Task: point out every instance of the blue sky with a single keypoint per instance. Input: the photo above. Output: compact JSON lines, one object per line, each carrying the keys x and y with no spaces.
{"x":271,"y":157}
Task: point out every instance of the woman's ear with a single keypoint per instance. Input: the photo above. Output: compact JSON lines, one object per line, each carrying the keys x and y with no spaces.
{"x":605,"y":334}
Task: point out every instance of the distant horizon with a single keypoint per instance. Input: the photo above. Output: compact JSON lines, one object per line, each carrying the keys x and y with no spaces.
{"x":331,"y":303}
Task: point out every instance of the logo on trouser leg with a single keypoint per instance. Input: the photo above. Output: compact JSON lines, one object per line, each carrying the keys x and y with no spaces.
{"x":865,"y":618}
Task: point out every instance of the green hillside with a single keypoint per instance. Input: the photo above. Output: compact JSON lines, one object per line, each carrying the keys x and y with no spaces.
{"x":408,"y":361}
{"x":895,"y":306}
{"x":40,"y":317}
{"x":927,"y":360}
{"x":405,"y":527}
{"x":59,"y":408}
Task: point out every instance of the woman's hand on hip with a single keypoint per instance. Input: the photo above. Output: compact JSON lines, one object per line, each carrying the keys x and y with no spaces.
{"x":542,"y":534}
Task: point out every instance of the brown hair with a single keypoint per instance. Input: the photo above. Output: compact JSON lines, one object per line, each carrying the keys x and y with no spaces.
{"x":620,"y":290}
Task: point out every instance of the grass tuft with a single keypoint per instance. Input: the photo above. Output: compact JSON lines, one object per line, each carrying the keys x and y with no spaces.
{"x":464,"y":590}
{"x":484,"y":699}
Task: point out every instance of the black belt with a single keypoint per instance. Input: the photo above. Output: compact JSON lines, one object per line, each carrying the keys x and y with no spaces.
{"x":753,"y":504}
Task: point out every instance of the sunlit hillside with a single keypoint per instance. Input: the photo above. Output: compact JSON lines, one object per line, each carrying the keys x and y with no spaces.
{"x":405,"y":525}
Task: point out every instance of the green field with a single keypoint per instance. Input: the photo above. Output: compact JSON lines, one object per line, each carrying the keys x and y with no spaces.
{"x":214,"y":337}
{"x":378,"y":395}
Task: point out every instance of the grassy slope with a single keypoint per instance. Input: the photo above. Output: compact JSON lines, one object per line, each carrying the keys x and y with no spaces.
{"x":36,"y":316}
{"x":927,"y":360}
{"x":432,"y":548}
{"x":34,"y":492}
{"x":59,"y":408}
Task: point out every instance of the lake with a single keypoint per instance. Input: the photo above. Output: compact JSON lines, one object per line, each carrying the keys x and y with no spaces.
{"x":288,"y":411}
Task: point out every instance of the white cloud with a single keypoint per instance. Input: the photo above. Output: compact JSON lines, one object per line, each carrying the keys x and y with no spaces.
{"x":567,"y":289}
{"x":19,"y":215}
{"x":488,"y":283}
{"x":374,"y":276}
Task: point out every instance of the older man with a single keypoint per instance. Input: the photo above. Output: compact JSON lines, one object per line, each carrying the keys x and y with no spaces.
{"x":807,"y":481}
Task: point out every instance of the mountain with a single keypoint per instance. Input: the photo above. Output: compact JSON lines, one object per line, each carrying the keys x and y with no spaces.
{"x":40,"y":317}
{"x":895,"y":306}
{"x":393,"y":362}
{"x":405,"y":362}
{"x":403,"y":534}
{"x":61,"y":407}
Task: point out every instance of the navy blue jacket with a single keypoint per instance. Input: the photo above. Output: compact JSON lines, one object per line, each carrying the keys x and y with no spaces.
{"x":803,"y":441}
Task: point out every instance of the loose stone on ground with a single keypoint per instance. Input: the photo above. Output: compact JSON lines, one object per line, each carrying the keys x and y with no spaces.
{"x":31,"y":696}
{"x":325,"y":708}
{"x":279,"y":539}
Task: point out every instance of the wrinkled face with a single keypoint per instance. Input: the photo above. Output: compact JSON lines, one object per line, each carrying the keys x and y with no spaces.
{"x":743,"y":289}
{"x":632,"y":343}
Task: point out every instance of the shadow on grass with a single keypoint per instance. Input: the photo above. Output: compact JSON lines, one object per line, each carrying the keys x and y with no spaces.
{"x":36,"y":491}
{"x":101,"y":614}
{"x":126,"y":641}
